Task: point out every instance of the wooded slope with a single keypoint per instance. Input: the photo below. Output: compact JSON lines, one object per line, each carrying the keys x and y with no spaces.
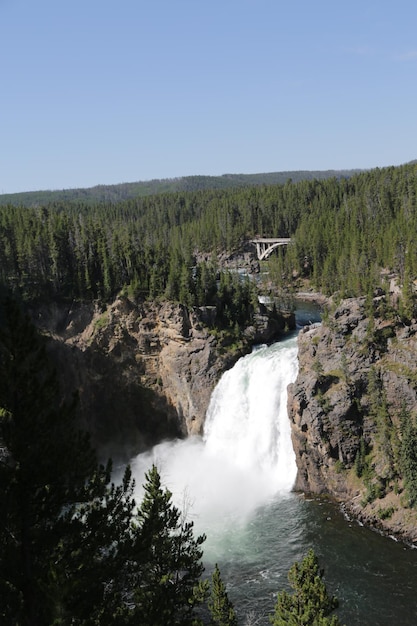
{"x":128,"y":191}
{"x":344,"y":232}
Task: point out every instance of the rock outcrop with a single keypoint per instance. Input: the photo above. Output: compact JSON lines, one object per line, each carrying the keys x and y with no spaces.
{"x":143,"y":372}
{"x":357,"y":376}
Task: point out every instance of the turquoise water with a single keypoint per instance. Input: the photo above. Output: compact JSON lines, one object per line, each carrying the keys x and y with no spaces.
{"x":374,"y":578}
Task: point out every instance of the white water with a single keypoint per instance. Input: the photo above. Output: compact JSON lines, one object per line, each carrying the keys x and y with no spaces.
{"x":245,"y":461}
{"x":245,"y":457}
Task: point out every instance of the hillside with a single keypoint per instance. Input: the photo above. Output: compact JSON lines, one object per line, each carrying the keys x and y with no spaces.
{"x":347,"y":235}
{"x":127,"y":191}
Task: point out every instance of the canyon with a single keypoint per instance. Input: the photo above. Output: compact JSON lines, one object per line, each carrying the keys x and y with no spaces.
{"x":144,"y":372}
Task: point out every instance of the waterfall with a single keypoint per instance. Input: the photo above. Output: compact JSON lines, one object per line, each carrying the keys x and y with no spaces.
{"x":245,"y":457}
{"x":247,"y":419}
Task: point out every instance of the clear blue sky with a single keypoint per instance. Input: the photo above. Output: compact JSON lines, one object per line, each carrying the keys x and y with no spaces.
{"x":99,"y":91}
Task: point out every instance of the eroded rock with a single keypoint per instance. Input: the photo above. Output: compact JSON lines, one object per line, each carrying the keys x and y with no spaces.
{"x":143,"y":372}
{"x":333,"y":408}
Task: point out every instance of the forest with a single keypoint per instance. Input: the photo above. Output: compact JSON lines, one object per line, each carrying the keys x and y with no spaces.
{"x":348,"y":236}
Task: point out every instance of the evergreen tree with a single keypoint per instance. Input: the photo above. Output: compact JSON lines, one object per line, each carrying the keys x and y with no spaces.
{"x":309,"y":604}
{"x":167,"y":559}
{"x":408,"y":458}
{"x":221,"y":609}
{"x":185,"y":294}
{"x":92,"y":573}
{"x":61,"y":524}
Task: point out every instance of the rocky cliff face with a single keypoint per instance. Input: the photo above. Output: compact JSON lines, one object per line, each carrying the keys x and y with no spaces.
{"x":357,"y":377}
{"x":143,"y":372}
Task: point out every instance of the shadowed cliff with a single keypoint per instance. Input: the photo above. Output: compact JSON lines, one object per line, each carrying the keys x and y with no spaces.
{"x":145,"y":371}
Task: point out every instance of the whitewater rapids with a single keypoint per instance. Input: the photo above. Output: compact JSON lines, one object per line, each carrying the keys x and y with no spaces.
{"x":245,"y":457}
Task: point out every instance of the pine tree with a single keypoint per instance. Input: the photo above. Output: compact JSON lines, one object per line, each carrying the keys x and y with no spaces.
{"x":221,"y":609}
{"x":63,"y":528}
{"x":167,"y":560}
{"x":92,"y":578}
{"x":408,"y":458}
{"x":38,"y":476}
{"x":310,"y":603}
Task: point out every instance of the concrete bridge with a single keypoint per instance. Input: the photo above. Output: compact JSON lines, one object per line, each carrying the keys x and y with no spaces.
{"x":265,"y":245}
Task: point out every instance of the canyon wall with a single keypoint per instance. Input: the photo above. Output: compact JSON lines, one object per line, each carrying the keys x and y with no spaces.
{"x":356,"y":385}
{"x":143,"y":372}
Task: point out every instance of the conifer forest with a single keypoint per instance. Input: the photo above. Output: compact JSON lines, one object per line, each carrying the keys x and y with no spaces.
{"x":75,"y":548}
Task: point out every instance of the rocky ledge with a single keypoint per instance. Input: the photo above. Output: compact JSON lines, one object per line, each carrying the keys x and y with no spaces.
{"x":143,"y":372}
{"x":356,"y":385}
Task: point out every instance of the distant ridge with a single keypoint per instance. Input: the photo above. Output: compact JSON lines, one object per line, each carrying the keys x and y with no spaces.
{"x":127,"y":191}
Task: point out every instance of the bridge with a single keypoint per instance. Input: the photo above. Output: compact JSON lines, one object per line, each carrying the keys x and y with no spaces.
{"x":265,"y":245}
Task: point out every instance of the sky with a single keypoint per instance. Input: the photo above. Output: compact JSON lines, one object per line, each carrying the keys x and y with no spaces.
{"x":104,"y":92}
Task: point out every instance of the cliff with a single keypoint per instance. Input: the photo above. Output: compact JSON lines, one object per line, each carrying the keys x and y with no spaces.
{"x":143,"y":372}
{"x":356,"y":390}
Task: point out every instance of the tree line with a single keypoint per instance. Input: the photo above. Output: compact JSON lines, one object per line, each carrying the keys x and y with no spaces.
{"x":126,"y":191}
{"x":344,"y":232}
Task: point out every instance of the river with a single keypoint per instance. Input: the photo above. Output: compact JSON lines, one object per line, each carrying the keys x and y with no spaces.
{"x":235,"y":483}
